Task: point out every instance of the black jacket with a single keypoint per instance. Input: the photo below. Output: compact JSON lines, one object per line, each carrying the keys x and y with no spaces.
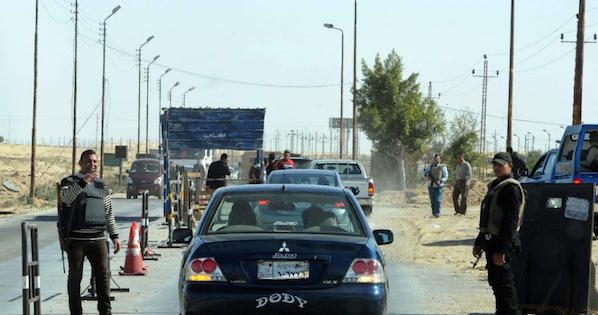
{"x":509,"y":199}
{"x":219,"y":171}
{"x":518,"y":165}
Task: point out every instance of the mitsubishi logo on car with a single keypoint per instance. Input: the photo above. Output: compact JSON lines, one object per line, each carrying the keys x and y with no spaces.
{"x":284,"y":248}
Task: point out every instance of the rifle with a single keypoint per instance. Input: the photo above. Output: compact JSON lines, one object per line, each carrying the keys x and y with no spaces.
{"x":59,"y":208}
{"x":475,"y":263}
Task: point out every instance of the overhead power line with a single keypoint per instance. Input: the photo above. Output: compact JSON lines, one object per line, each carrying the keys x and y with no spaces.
{"x":505,"y":118}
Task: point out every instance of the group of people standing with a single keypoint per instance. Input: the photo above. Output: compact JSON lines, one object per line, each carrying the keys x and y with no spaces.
{"x":437,"y":175}
{"x":500,"y":217}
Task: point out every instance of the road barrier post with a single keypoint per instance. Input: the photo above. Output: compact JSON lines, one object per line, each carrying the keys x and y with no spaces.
{"x":31,"y":278}
{"x":146,"y":251}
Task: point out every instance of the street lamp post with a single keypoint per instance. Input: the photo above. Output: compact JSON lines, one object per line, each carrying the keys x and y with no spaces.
{"x":188,"y":90}
{"x":328,"y":25}
{"x":147,"y":103}
{"x":139,"y":92}
{"x":170,"y":93}
{"x":518,"y":142}
{"x":533,"y":138}
{"x":160,"y":109}
{"x":548,"y":147}
{"x":104,"y":88}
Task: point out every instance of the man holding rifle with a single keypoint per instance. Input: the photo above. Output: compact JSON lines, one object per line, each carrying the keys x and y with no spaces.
{"x":437,"y":175}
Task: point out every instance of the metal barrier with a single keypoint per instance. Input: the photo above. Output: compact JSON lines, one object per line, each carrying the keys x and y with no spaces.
{"x":31,"y":284}
{"x":146,"y":251}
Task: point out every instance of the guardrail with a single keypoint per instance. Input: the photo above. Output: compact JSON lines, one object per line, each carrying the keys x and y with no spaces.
{"x":31,"y":283}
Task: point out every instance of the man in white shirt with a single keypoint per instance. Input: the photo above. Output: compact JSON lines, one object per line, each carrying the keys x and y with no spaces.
{"x":463,"y":175}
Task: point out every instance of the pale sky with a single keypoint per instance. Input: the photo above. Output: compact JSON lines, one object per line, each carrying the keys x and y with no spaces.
{"x":271,"y":54}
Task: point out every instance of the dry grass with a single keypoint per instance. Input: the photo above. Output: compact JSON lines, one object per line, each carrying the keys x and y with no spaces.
{"x":52,"y":164}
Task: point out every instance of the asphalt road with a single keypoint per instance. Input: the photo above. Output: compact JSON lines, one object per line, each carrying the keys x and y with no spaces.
{"x":413,"y":289}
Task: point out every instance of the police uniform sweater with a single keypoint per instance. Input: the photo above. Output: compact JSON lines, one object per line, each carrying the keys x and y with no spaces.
{"x":68,"y":195}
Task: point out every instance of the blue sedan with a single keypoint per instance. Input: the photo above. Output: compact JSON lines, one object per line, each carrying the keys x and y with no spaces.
{"x":315,"y":255}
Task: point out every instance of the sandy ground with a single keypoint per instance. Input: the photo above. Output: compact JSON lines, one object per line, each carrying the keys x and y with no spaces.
{"x":52,"y":164}
{"x":442,"y":243}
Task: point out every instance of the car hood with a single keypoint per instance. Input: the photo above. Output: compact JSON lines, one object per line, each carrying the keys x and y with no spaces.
{"x":328,"y":256}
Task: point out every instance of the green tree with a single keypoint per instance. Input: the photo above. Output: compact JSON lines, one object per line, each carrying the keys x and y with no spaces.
{"x":393,"y":113}
{"x":462,"y":137}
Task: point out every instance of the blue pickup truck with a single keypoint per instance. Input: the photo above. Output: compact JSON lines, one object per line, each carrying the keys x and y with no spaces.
{"x":575,"y":161}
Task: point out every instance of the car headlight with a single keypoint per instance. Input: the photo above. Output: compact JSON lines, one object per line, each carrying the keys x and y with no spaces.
{"x":204,"y":269}
{"x":129,"y":180}
{"x":158,"y":181}
{"x":365,"y":270}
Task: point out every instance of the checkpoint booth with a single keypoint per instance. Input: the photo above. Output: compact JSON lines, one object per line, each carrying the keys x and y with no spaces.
{"x":193,"y":129}
{"x":554,"y":272}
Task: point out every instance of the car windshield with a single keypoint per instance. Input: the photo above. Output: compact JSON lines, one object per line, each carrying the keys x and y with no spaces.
{"x":341,"y":168}
{"x":305,"y":213}
{"x":292,"y":178}
{"x":145,"y":167}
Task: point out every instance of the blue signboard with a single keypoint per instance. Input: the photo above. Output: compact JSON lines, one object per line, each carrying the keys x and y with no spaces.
{"x":214,"y":128}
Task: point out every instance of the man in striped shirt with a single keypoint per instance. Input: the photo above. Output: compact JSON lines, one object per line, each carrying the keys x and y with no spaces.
{"x":87,"y":213}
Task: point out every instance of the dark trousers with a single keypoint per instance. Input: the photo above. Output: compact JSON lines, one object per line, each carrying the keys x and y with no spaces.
{"x":460,"y":188}
{"x":502,"y":282}
{"x":96,"y":252}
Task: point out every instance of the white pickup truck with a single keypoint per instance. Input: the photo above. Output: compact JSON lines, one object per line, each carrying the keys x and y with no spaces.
{"x":354,"y":178}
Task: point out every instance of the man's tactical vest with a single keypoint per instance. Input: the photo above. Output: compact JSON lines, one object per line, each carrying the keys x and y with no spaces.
{"x":491,"y":215}
{"x":88,"y":209}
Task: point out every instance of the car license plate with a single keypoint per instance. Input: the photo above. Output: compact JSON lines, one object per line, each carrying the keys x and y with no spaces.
{"x":282,"y":270}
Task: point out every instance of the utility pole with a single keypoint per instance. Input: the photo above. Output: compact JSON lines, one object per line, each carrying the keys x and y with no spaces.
{"x":33,"y":128}
{"x":484,"y":77}
{"x":355,"y":132}
{"x":97,"y":130}
{"x":577,"y":85}
{"x":277,"y":140}
{"x":74,"y":153}
{"x":430,"y":91}
{"x":331,"y":141}
{"x":579,"y":50}
{"x":495,"y":142}
{"x":511,"y":53}
{"x":324,"y":142}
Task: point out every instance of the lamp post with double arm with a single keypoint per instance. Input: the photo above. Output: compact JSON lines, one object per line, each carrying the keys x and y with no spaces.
{"x":139,"y":92}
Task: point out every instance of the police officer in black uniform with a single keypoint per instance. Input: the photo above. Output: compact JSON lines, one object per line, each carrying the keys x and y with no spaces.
{"x":85,"y":216}
{"x":499,"y":237}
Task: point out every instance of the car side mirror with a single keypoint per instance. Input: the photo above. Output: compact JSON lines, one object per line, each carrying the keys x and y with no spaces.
{"x":383,"y":237}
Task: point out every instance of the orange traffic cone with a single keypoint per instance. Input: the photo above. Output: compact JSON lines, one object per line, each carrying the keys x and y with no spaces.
{"x":133,"y":260}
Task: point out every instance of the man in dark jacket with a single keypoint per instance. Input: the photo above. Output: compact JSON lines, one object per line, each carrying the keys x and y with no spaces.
{"x":499,"y":237}
{"x":217,"y":173}
{"x":519,"y":164}
{"x":270,"y":165}
{"x":86,"y":214}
